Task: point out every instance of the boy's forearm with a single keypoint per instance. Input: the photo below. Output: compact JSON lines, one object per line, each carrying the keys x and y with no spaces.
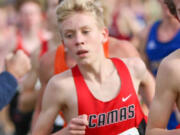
{"x":61,"y":132}
{"x":158,"y":131}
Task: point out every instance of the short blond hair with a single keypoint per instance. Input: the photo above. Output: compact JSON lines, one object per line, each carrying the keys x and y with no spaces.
{"x":69,"y":7}
{"x":106,"y":11}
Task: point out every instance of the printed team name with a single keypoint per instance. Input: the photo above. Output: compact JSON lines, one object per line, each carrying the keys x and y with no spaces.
{"x":112,"y":117}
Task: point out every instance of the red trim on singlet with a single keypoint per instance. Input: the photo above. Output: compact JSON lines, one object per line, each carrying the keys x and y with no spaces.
{"x":94,"y":108}
{"x":44,"y":43}
{"x":114,"y":30}
{"x":19,"y":45}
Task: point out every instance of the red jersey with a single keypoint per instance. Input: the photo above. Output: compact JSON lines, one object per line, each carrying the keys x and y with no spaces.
{"x":115,"y":116}
{"x":44,"y":44}
{"x":114,"y":30}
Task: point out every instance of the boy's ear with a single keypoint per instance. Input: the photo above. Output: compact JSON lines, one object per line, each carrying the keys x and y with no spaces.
{"x":105,"y":33}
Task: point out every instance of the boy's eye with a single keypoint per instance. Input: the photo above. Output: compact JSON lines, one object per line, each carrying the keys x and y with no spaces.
{"x":68,"y":35}
{"x":85,"y":31}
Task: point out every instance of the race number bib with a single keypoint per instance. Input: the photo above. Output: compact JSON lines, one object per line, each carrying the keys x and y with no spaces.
{"x":131,"y":131}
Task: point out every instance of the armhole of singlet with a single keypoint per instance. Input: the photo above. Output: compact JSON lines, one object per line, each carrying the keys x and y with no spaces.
{"x":44,"y":44}
{"x":125,"y":74}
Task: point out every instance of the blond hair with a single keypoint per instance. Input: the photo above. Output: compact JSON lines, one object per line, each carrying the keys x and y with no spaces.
{"x":106,"y":11}
{"x":69,"y":7}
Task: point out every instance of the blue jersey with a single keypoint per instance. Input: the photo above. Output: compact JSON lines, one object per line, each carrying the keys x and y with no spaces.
{"x":157,"y":50}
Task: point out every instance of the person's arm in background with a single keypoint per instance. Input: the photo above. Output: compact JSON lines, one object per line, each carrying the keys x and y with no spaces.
{"x":16,"y":66}
{"x":124,"y":49}
{"x":166,"y":95}
{"x":46,"y":64}
{"x":147,"y":90}
{"x":29,"y":86}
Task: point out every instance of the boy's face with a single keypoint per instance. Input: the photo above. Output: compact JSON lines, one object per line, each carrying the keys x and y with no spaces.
{"x":30,"y":14}
{"x":82,"y":37}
